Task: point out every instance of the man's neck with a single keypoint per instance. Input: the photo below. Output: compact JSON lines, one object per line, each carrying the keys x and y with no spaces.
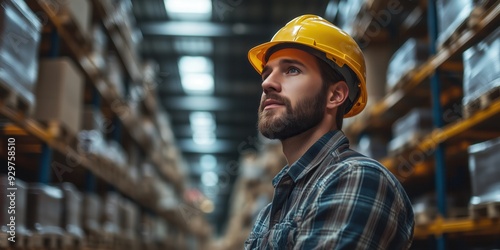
{"x":296,"y":146}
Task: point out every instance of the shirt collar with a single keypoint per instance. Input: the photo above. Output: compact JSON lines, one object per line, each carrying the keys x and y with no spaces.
{"x":327,"y":144}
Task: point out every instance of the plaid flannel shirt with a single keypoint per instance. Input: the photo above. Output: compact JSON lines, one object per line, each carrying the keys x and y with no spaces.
{"x":334,"y":198}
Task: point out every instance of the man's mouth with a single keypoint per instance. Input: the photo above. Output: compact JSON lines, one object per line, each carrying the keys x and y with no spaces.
{"x":272,"y":103}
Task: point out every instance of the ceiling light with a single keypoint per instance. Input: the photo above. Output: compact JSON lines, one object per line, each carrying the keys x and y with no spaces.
{"x":197,"y":83}
{"x":202,"y":120}
{"x":196,"y":74}
{"x":203,"y":127}
{"x":189,"y":10}
{"x":209,"y":179}
{"x":208,"y":161}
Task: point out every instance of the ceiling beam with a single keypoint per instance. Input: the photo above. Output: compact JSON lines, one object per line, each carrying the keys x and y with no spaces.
{"x":204,"y":29}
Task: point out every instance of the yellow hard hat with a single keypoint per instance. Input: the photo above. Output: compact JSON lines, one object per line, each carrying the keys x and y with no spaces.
{"x":321,"y":35}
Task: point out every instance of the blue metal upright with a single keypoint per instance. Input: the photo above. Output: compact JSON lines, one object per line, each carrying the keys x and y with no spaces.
{"x":437,"y":114}
{"x":44,"y":173}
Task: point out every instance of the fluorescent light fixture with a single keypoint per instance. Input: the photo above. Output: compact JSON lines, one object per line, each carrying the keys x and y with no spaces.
{"x":197,"y":83}
{"x":203,"y":127}
{"x":195,"y":64}
{"x":208,"y":161}
{"x":202,"y":120}
{"x":196,"y":74}
{"x":189,"y":10}
{"x":209,"y":179}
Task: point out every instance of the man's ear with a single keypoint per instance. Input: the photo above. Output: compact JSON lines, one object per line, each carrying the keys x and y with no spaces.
{"x":337,"y":94}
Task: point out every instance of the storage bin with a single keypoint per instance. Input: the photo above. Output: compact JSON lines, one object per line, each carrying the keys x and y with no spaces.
{"x":59,"y":94}
{"x":20,"y":32}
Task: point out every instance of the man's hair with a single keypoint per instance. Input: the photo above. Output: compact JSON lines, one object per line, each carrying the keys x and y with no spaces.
{"x":329,"y":77}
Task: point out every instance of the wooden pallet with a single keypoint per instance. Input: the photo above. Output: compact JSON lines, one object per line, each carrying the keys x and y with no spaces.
{"x":489,"y":210}
{"x":45,"y":241}
{"x":58,"y":130}
{"x":14,"y":100}
{"x":482,"y":102}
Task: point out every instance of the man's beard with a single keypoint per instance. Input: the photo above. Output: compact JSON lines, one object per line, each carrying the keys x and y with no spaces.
{"x":307,"y":114}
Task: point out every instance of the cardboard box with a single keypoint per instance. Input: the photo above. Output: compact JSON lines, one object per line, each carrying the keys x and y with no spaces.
{"x":79,"y":10}
{"x":59,"y":94}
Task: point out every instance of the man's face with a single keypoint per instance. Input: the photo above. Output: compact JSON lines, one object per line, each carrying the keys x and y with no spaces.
{"x":293,"y":100}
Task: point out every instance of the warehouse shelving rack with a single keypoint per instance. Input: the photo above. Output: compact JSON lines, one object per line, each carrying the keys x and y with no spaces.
{"x":67,"y":32}
{"x":454,"y":137}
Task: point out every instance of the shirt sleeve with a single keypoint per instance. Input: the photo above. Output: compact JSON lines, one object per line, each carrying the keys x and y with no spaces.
{"x":358,"y":208}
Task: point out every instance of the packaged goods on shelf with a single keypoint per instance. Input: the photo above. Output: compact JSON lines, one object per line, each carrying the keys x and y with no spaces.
{"x":45,"y":209}
{"x":72,"y":210}
{"x":80,"y":11}
{"x":91,"y":214}
{"x":151,"y":136}
{"x":451,"y":14}
{"x":160,"y":231}
{"x":481,"y":68}
{"x":409,"y":56}
{"x":129,"y":220}
{"x":147,"y":227}
{"x":110,"y":217}
{"x":372,"y":145}
{"x":91,"y":142}
{"x":150,"y":70}
{"x":116,"y":154}
{"x":59,"y":94}
{"x":425,"y":207}
{"x":114,"y":73}
{"x":484,"y":172}
{"x":410,"y":128}
{"x":93,"y":119}
{"x":99,"y":43}
{"x":166,"y":195}
{"x":347,"y":17}
{"x":20,"y":197}
{"x":20,"y":32}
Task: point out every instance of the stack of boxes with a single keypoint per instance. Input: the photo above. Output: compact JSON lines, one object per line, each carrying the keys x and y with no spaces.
{"x":52,"y":93}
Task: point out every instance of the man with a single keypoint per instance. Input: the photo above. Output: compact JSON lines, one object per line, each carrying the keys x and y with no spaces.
{"x":328,"y":196}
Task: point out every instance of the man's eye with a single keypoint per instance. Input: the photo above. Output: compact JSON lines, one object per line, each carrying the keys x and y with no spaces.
{"x":292,"y":70}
